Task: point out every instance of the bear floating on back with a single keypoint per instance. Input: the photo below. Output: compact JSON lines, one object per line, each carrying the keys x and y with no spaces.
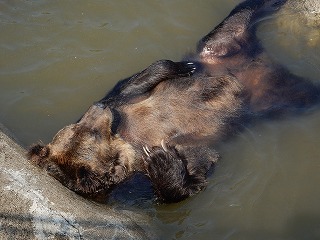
{"x":165,"y":120}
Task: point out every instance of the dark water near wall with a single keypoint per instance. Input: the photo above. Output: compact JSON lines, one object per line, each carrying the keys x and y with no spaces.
{"x":57,"y":57}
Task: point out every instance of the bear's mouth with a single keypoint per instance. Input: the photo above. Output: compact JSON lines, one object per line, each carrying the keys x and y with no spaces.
{"x":97,"y":190}
{"x":85,"y":183}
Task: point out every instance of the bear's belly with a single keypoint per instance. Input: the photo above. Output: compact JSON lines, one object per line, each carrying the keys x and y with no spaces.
{"x":170,"y":113}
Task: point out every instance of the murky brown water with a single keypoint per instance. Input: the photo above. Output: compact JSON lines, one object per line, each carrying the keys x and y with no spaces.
{"x":57,"y":57}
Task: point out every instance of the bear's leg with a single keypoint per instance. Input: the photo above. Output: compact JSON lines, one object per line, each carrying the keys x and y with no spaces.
{"x":178,"y":172}
{"x":155,"y":73}
{"x":237,"y":31}
{"x":147,"y":79}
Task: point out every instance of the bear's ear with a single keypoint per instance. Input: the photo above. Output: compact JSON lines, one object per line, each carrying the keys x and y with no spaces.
{"x":39,"y":151}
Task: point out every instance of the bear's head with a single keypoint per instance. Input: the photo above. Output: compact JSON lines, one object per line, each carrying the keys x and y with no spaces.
{"x":86,"y":157}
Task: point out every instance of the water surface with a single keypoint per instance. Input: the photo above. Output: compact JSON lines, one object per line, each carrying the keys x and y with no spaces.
{"x":58,"y":57}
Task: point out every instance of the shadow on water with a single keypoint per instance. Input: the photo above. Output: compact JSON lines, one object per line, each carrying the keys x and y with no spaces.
{"x":136,"y":192}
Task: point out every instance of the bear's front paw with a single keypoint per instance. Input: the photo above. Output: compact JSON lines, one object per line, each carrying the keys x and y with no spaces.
{"x":185,"y":69}
{"x":160,"y":161}
{"x":167,"y":172}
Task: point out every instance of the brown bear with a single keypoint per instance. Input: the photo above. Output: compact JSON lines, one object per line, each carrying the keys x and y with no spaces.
{"x":165,"y":120}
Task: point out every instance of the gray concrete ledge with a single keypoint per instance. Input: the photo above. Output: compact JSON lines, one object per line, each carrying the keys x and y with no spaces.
{"x":36,"y":206}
